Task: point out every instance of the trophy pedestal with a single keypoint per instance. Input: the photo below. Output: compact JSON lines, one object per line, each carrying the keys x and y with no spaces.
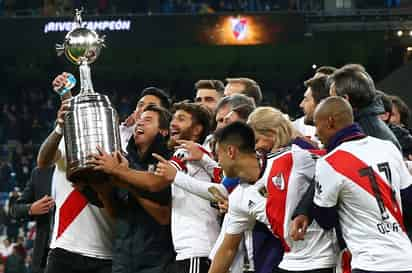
{"x":78,"y":173}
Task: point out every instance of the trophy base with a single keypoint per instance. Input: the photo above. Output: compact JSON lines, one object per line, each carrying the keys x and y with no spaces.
{"x":86,"y":175}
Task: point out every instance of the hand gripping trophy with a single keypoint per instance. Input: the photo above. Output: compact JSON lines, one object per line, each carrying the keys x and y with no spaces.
{"x":91,"y":120}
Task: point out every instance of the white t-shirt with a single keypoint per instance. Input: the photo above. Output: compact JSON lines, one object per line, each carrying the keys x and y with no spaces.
{"x":195,"y":225}
{"x":348,"y":178}
{"x":79,"y":226}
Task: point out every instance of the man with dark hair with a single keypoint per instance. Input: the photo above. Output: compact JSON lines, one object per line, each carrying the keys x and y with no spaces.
{"x":244,"y":86}
{"x":268,"y":191}
{"x":208,"y":93}
{"x":401,"y":133}
{"x":401,"y":113}
{"x":238,"y":134}
{"x":354,"y":84}
{"x":149,"y":96}
{"x":361,"y":183}
{"x":143,"y":217}
{"x":200,"y":123}
{"x":317,"y":90}
{"x":160,"y":94}
{"x":194,"y":222}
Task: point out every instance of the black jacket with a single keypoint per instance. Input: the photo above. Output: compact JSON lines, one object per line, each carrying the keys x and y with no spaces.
{"x":368,"y":119}
{"x":404,"y":137}
{"x":142,"y":245}
{"x":38,"y":186}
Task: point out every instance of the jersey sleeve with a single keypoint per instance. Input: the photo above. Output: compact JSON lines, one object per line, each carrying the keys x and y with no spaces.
{"x":327,"y":185}
{"x":177,"y":160}
{"x":200,"y":188}
{"x":404,"y":174}
{"x":238,"y":219}
{"x":211,"y":167}
{"x":305,"y":163}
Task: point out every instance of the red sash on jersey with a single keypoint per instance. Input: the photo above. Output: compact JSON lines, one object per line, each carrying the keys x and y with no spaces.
{"x":276,"y":202}
{"x":71,"y":208}
{"x":348,"y":165}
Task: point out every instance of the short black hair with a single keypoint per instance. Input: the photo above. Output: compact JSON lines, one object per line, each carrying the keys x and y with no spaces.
{"x":354,"y":82}
{"x":164,"y":115}
{"x":404,"y":111}
{"x":239,"y":134}
{"x":164,"y":98}
{"x":319,"y":87}
{"x":200,"y":115}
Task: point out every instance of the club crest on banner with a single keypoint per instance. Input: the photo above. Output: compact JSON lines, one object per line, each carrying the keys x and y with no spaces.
{"x":239,"y":28}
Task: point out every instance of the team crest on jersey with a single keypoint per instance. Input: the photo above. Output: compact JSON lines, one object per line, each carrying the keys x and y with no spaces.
{"x":279,"y":181}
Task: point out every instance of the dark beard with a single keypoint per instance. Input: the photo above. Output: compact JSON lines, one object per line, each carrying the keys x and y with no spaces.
{"x":184,"y":135}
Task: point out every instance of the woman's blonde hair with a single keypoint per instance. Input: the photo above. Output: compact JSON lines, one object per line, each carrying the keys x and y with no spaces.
{"x":271,"y":122}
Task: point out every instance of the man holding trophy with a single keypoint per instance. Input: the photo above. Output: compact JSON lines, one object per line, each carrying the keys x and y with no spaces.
{"x":82,"y":233}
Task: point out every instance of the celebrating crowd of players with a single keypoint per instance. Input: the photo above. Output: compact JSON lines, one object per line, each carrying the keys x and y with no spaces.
{"x":223,"y":184}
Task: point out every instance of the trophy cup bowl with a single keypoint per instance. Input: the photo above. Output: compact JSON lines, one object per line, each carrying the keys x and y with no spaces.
{"x":91,"y":120}
{"x":82,"y":44}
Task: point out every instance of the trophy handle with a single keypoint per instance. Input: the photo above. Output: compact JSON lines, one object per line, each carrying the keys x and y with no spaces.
{"x":59,"y":49}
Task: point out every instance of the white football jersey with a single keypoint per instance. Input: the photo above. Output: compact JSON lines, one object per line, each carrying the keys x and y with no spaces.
{"x":363,"y":178}
{"x":287,"y":176}
{"x":79,"y":226}
{"x":195,"y":225}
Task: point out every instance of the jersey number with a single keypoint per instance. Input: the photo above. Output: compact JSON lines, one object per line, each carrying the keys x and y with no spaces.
{"x":384,"y":168}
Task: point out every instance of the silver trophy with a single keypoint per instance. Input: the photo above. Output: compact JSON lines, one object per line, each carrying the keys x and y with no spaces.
{"x":91,"y":120}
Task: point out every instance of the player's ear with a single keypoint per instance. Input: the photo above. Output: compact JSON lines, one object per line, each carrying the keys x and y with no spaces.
{"x":231,"y":152}
{"x":197,"y":130}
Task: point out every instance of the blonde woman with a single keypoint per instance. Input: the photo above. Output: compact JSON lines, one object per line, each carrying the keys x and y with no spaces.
{"x":273,"y":130}
{"x":292,"y":171}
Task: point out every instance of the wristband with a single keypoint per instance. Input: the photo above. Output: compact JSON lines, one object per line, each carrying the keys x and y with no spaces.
{"x":58,"y":130}
{"x":69,"y":84}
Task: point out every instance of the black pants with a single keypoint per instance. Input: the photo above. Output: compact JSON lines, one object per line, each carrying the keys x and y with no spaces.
{"x":323,"y":270}
{"x":62,"y":261}
{"x":192,"y":265}
{"x":364,"y":271}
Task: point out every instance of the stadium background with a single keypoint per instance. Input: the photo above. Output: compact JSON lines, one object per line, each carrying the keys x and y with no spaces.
{"x":172,"y":46}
